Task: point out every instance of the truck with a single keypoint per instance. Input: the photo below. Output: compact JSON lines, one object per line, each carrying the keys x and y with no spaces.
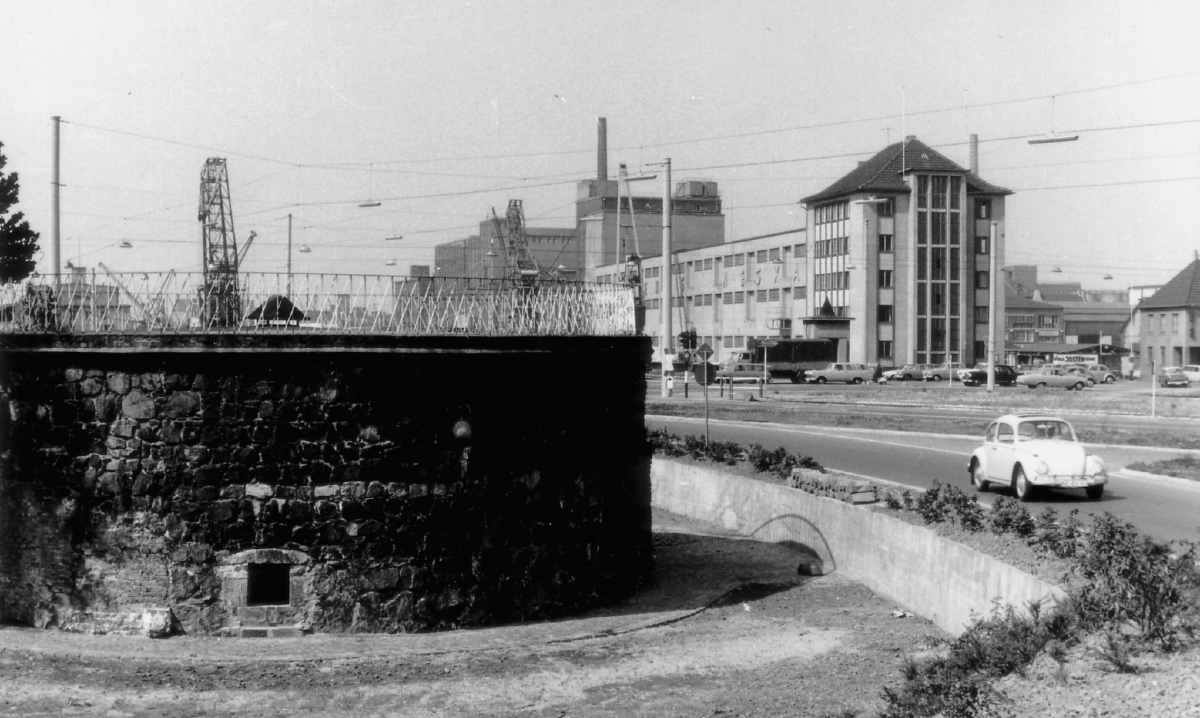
{"x":785,"y":358}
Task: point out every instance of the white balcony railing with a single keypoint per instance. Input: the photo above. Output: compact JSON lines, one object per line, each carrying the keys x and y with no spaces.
{"x":178,"y":303}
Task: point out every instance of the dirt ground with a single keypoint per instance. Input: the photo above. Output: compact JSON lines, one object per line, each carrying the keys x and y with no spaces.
{"x":726,"y":628}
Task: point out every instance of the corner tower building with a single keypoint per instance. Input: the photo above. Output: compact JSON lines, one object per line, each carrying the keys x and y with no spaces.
{"x":898,"y":265}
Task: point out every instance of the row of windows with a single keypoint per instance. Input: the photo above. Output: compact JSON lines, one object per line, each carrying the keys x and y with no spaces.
{"x":937,"y":304}
{"x":886,"y":243}
{"x":1162,"y":323}
{"x":831,"y":247}
{"x":932,"y":227}
{"x":937,"y":333}
{"x":932,"y":264}
{"x":831,"y":281}
{"x":938,"y":191}
{"x":708,"y":300}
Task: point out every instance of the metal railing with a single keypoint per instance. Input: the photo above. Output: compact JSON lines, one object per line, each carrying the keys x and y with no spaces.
{"x":181,"y":303}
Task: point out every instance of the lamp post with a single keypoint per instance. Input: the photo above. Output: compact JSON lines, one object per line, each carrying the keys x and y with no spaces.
{"x":664,"y":316}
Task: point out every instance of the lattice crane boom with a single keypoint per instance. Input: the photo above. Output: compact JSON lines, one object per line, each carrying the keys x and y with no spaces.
{"x":219,"y":253}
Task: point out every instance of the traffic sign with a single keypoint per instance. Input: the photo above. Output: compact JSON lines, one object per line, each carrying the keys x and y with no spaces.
{"x":705,"y":351}
{"x":770,"y":343}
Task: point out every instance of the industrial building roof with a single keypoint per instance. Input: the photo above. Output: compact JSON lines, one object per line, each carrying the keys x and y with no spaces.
{"x":885,"y":172}
{"x":1182,"y":291}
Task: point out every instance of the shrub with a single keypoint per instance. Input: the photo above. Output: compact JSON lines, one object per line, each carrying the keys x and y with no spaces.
{"x":1009,"y":516}
{"x":1132,"y":578}
{"x":959,"y":683}
{"x":1117,"y":651}
{"x":779,"y":461}
{"x":1060,"y":538}
{"x":931,"y":506}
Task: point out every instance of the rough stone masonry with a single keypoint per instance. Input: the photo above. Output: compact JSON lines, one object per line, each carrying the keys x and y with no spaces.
{"x":207,"y":484}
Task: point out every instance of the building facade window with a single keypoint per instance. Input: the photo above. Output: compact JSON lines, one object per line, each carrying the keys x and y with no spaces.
{"x":885,"y":244}
{"x":981,"y":245}
{"x":981,"y":280}
{"x":800,"y":250}
{"x":885,"y":278}
{"x":983,"y":208}
{"x":1175,"y":323}
{"x":885,"y":349}
{"x":939,"y":224}
{"x":1047,"y":321}
{"x":981,"y":314}
{"x":884,"y":313}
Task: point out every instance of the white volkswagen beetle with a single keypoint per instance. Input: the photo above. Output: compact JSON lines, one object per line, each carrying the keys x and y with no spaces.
{"x":1032,"y":451}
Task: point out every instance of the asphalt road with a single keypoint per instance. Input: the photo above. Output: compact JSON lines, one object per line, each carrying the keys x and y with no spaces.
{"x":1168,"y":509}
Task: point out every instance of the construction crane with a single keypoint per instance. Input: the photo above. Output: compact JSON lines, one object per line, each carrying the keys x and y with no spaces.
{"x":219,"y":256}
{"x":519,"y":264}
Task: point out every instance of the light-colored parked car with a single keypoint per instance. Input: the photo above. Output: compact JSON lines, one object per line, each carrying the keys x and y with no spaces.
{"x":908,"y":372}
{"x":942,"y":371}
{"x":1173,"y":376}
{"x":1101,"y":373}
{"x":1191,"y":371}
{"x":1054,"y":377}
{"x":1031,"y":451}
{"x":841,"y":371}
{"x":1080,"y":371}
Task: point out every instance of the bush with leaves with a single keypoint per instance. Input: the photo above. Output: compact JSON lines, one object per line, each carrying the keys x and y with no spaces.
{"x":931,"y":506}
{"x":1130,"y":578}
{"x":1060,"y":538}
{"x":779,"y":462}
{"x":959,"y":683}
{"x":1009,"y":516}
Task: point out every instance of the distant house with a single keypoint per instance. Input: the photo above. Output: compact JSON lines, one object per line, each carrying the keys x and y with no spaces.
{"x":1169,"y":331}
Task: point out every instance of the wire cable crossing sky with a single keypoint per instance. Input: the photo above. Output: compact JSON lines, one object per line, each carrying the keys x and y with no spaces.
{"x":378,"y":120}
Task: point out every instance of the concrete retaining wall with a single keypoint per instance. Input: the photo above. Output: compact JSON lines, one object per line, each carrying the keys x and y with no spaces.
{"x":935,"y":577}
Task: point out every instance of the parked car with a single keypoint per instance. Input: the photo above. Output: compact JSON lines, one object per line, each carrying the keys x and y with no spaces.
{"x":841,"y":371}
{"x":1027,"y":368}
{"x":1173,"y":376}
{"x":941,"y":371}
{"x":1029,"y":452}
{"x":1054,"y":377}
{"x":1191,"y":371}
{"x":1101,"y":373}
{"x":908,"y":372}
{"x":1080,"y":371}
{"x":1005,"y":375}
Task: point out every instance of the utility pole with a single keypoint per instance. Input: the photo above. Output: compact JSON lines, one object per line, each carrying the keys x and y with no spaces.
{"x":289,"y":281}
{"x":667,"y":303}
{"x":991,"y":385}
{"x":55,"y":251}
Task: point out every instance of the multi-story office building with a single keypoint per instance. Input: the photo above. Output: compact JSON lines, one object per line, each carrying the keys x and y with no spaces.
{"x":892,"y":261}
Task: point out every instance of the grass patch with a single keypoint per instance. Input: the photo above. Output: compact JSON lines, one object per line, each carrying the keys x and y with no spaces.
{"x":1184,"y":467}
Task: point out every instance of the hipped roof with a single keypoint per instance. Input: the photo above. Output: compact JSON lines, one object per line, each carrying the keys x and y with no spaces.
{"x":885,"y":172}
{"x":1182,"y":291}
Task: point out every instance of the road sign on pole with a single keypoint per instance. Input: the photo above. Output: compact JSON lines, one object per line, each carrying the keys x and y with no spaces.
{"x":704,"y":351}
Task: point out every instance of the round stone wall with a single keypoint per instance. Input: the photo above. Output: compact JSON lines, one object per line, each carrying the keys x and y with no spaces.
{"x":320,"y":485}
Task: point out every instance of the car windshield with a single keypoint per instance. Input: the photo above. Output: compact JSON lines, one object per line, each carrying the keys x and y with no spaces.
{"x":1045,"y":429}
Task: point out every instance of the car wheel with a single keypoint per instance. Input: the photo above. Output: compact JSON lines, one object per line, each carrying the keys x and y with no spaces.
{"x":1095,"y":492}
{"x":858,"y":380}
{"x":1040,"y":385}
{"x":1091,"y":382}
{"x":978,"y":477}
{"x":937,"y":377}
{"x":1109,"y":379}
{"x":820,"y":380}
{"x":1021,"y":486}
{"x":1078,"y":386}
{"x":907,"y":377}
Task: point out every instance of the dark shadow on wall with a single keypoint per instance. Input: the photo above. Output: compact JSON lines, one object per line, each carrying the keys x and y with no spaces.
{"x":807,"y":540}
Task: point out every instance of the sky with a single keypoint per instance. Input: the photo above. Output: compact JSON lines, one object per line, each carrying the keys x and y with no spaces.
{"x":442,"y":111}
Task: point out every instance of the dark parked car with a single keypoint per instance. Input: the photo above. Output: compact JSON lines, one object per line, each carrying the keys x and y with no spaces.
{"x":1005,"y":375}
